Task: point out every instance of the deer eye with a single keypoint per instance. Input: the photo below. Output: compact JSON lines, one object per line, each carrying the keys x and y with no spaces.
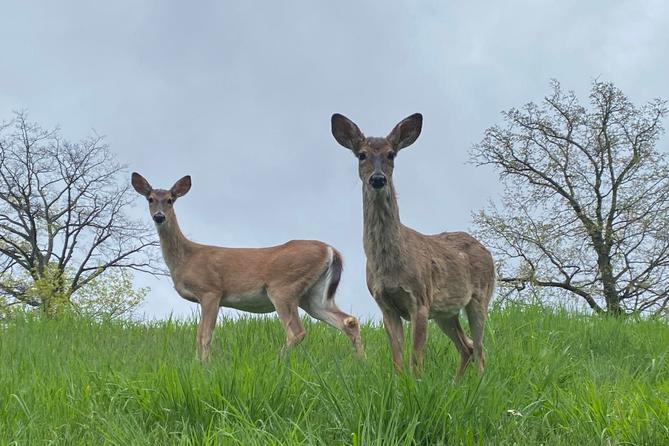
{"x":150,"y":200}
{"x":391,"y":155}
{"x":362,"y":156}
{"x":169,"y":201}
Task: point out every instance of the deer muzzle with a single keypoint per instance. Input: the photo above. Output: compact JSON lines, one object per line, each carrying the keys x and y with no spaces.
{"x":159,"y":217}
{"x":378,"y":180}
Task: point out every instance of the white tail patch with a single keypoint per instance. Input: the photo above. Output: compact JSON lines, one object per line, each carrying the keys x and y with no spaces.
{"x":327,"y":277}
{"x":318,"y":294}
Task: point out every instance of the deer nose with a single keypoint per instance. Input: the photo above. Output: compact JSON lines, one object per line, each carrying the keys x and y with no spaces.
{"x":159,"y":217}
{"x":377,"y":181}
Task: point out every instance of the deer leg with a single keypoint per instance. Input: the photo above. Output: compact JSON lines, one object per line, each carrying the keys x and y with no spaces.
{"x":419,"y":337}
{"x":290,"y":317}
{"x":333,"y":316}
{"x":477,"y":319}
{"x":452,"y":328}
{"x":209,"y":307}
{"x":393,"y":325}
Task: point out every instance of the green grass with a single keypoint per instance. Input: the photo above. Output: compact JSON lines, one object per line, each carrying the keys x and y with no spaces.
{"x":575,"y":379}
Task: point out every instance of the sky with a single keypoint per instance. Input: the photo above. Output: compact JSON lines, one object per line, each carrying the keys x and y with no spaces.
{"x":239,"y":96}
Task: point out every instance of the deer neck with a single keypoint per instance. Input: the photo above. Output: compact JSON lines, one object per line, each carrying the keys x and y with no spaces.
{"x":173,"y":243}
{"x":383,"y":241}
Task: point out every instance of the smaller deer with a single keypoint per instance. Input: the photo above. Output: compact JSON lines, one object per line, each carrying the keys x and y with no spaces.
{"x":299,"y":273}
{"x":411,"y":275}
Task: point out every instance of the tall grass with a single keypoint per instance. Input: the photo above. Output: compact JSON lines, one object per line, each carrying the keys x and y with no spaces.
{"x":553,"y":377}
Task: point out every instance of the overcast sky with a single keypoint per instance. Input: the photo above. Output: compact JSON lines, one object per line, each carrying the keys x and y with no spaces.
{"x":239,"y":95}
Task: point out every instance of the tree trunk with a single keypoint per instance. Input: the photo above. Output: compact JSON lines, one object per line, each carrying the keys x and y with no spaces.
{"x":609,"y":285}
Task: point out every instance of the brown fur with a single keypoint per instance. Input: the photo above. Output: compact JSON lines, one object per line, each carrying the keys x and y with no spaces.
{"x":299,"y":273}
{"x":411,"y":275}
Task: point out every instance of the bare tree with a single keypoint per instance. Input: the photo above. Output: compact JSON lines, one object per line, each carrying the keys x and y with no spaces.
{"x":62,"y":216}
{"x":586,"y":202}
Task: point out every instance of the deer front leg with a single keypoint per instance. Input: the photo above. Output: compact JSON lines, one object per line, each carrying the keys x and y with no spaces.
{"x":418,"y":336}
{"x":393,"y":325}
{"x":209,"y":307}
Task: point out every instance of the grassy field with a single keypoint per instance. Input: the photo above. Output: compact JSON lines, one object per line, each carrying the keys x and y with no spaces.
{"x":552,"y":378}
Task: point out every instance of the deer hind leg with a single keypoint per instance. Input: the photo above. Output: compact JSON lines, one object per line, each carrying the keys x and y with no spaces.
{"x":452,"y":328}
{"x":295,"y":332}
{"x":329,"y":313}
{"x":319,"y":303}
{"x":477,"y":318}
{"x":286,"y":308}
{"x":209,"y":307}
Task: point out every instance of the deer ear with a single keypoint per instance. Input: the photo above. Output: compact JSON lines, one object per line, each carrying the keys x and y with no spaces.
{"x":346,"y":132}
{"x":181,"y":187}
{"x":406,"y":132}
{"x":140,"y":184}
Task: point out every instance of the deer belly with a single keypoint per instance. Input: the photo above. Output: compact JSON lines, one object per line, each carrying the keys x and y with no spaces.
{"x":446,"y":305}
{"x":253,"y":302}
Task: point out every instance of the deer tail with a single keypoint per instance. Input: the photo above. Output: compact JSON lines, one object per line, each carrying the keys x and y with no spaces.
{"x":336,"y":268}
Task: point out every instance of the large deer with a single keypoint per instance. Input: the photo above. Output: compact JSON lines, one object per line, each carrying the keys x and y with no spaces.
{"x":414,"y":276}
{"x":299,"y":273}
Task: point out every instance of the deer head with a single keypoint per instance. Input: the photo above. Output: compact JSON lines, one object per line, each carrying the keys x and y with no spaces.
{"x":161,"y":201}
{"x":376,"y":155}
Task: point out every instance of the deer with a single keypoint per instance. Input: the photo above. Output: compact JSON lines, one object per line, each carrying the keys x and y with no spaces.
{"x":297,"y":274}
{"x":410,"y":275}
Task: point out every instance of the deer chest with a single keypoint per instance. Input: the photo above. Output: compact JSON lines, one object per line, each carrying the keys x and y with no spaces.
{"x":396,"y":299}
